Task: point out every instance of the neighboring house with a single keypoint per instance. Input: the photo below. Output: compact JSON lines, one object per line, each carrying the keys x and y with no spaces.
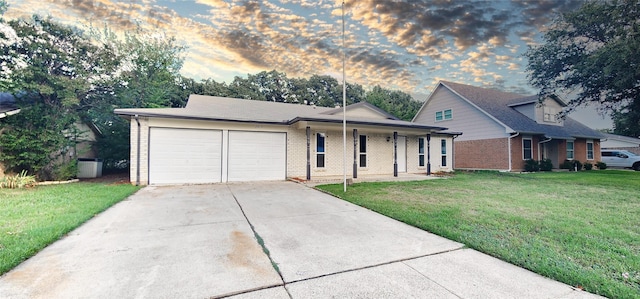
{"x":7,"y":105}
{"x":502,"y":130}
{"x":612,"y":141}
{"x":216,"y":139}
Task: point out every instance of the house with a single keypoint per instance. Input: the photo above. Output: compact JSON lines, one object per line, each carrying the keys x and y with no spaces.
{"x":7,"y":105}
{"x":613,"y":141}
{"x":217,"y":139}
{"x":502,"y":130}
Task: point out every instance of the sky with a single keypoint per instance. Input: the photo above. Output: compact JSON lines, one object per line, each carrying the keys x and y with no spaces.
{"x":406,"y":45}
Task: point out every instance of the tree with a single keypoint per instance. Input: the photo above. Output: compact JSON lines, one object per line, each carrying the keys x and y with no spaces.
{"x":593,"y":52}
{"x":397,"y":103}
{"x":49,"y":68}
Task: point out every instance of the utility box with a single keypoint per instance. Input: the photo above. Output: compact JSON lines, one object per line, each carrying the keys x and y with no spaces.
{"x":89,"y":168}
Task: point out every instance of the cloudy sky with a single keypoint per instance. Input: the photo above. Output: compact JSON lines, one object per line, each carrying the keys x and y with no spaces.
{"x":407,"y":45}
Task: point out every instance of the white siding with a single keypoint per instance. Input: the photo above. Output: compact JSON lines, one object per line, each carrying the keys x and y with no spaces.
{"x":467,"y":119}
{"x":550,"y":103}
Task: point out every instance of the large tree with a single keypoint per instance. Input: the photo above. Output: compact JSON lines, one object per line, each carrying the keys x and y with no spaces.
{"x":592,"y":55}
{"x":50,"y":68}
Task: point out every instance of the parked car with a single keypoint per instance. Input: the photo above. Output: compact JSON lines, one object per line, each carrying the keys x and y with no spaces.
{"x":621,"y":158}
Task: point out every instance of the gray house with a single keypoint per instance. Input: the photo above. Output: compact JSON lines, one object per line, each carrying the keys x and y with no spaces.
{"x":502,"y":130}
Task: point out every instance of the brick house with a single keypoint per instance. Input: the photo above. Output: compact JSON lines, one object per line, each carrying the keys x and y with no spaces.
{"x":502,"y":130}
{"x":217,"y":139}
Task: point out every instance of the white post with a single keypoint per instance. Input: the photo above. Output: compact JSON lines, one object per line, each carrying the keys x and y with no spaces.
{"x":344,"y":110}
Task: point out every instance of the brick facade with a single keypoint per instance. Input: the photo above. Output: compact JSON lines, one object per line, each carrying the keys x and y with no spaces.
{"x":482,"y":154}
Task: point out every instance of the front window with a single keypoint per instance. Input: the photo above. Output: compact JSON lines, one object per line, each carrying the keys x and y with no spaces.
{"x":363,"y":150}
{"x":527,"y":152}
{"x":320,"y":149}
{"x":570,"y":150}
{"x":421,"y":151}
{"x":443,"y":151}
{"x":589,"y":149}
{"x":444,"y":115}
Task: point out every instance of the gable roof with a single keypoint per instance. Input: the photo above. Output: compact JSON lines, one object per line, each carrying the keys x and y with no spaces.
{"x":498,"y":105}
{"x":240,"y":110}
{"x":7,"y":105}
{"x":338,"y":110}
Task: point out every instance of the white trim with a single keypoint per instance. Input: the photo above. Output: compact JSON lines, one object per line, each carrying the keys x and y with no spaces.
{"x":531,"y":140}
{"x":593,"y":150}
{"x":315,"y":151}
{"x":573,"y":150}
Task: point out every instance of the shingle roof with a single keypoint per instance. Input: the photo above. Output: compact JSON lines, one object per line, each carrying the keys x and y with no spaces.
{"x":499,"y":105}
{"x":7,"y":104}
{"x":240,"y":110}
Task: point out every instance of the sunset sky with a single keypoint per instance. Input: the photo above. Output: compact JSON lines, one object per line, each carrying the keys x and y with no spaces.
{"x":405,"y":45}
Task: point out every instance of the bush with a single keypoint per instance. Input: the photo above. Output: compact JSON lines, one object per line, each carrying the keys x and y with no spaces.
{"x":531,"y":165}
{"x":588,"y":166}
{"x":546,"y":165}
{"x":601,"y":165}
{"x":571,"y":165}
{"x":20,"y":180}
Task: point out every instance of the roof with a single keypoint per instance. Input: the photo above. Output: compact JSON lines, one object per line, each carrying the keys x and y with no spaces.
{"x":622,"y":138}
{"x":240,"y":110}
{"x":499,"y":105}
{"x":7,"y":105}
{"x":362,"y":104}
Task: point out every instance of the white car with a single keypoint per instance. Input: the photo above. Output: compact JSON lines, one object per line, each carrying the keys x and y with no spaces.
{"x":621,"y":158}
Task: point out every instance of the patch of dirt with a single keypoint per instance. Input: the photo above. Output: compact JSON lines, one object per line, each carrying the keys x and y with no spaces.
{"x":111,"y":178}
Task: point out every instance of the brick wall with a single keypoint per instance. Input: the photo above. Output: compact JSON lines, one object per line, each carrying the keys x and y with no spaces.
{"x":482,"y":154}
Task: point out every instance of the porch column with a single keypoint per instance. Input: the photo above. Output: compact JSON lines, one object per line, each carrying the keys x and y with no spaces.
{"x":428,"y":154}
{"x":355,"y":153}
{"x":308,"y":153}
{"x":395,"y":154}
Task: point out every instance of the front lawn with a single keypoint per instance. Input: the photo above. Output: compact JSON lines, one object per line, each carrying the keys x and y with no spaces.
{"x":582,"y":228}
{"x":31,"y":219}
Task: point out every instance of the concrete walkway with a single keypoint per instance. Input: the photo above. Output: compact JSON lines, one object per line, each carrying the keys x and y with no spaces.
{"x":262,"y":240}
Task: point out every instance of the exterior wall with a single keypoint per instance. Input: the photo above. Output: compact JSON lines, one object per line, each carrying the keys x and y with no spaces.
{"x":580,"y":151}
{"x":363,"y":112}
{"x":610,"y":143}
{"x":483,"y":154}
{"x":466,"y":118}
{"x":550,"y":103}
{"x":517,"y":155}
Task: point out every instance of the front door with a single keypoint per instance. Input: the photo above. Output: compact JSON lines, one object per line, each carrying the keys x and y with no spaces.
{"x":402,"y":153}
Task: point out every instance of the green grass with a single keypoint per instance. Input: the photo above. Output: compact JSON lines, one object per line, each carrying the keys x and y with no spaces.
{"x":582,"y":228}
{"x":31,"y":219}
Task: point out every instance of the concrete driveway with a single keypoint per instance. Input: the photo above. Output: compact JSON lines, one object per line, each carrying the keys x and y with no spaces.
{"x":262,"y":240}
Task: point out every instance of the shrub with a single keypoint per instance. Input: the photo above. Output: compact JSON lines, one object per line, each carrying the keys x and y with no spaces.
{"x":571,"y":165}
{"x":601,"y":165}
{"x":531,"y":165}
{"x":546,"y":165}
{"x":588,"y":166}
{"x":20,"y":180}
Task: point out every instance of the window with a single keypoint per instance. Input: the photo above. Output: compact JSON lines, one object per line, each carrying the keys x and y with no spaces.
{"x":569,"y":150}
{"x":421,"y":152}
{"x":443,"y":151}
{"x":550,"y":114}
{"x":527,"y":150}
{"x":589,"y":149}
{"x":444,"y":115}
{"x":363,"y":150}
{"x":320,"y":149}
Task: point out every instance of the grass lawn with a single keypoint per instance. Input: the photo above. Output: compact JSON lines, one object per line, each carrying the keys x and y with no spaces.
{"x":31,"y":219}
{"x":582,"y":228}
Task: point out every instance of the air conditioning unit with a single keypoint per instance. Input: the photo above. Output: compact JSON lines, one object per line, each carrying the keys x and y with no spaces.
{"x":89,"y":168}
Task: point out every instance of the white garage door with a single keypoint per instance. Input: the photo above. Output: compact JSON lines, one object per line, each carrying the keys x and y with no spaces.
{"x":257,"y":156}
{"x":180,"y":156}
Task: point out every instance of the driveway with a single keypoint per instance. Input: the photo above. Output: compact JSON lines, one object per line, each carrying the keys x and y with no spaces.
{"x":261,"y":240}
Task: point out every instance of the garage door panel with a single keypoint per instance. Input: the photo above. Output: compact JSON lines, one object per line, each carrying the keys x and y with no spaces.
{"x":180,"y":156}
{"x":256,"y":156}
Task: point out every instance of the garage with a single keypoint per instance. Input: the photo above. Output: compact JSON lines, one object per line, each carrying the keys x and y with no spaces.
{"x":257,"y":156}
{"x":180,"y":156}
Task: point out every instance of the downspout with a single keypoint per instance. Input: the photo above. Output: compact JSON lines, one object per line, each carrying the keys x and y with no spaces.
{"x":355,"y":153}
{"x":509,"y":146}
{"x":395,"y":154}
{"x":453,"y":150}
{"x":138,"y":152}
{"x":308,"y":153}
